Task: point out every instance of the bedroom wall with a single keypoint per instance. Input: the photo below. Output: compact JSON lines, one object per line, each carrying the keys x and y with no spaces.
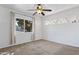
{"x":5,"y":29}
{"x":38,"y":27}
{"x":64,"y":33}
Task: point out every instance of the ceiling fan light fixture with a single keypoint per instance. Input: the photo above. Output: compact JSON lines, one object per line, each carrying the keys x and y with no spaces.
{"x":39,"y":11}
{"x":40,"y":7}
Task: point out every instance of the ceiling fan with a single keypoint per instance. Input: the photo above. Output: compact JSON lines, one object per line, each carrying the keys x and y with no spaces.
{"x":40,"y":10}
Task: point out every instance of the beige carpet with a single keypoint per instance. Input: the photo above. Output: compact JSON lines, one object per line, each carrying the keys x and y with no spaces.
{"x":40,"y":47}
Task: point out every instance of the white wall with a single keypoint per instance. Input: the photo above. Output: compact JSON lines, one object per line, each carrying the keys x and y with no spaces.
{"x":22,"y":37}
{"x":4,"y":27}
{"x":65,"y":33}
{"x":38,"y":27}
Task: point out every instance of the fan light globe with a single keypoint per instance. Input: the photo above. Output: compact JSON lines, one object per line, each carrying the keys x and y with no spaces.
{"x":39,"y":11}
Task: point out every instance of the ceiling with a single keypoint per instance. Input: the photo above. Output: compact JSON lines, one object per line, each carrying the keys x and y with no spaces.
{"x":55,"y":7}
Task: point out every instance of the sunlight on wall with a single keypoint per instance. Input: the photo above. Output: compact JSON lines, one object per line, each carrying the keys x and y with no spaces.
{"x":72,"y":19}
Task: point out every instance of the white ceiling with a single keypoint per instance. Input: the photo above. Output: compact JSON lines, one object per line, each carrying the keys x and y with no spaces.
{"x":55,"y":7}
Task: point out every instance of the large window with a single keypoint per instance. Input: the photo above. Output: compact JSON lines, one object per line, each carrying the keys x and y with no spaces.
{"x":23,"y":25}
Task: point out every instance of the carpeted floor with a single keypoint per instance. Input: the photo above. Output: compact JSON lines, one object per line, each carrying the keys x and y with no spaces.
{"x":40,"y":47}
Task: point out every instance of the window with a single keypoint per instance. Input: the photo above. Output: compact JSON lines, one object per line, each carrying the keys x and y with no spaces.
{"x":28,"y":26}
{"x":23,"y":25}
{"x":19,"y":24}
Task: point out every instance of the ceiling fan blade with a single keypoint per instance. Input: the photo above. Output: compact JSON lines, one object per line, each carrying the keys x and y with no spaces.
{"x":34,"y":13}
{"x":38,"y":4}
{"x":47,"y":10}
{"x":42,"y":13}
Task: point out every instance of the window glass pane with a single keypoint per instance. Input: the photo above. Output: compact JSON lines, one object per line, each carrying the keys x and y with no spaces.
{"x":19,"y":24}
{"x":28,"y":26}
